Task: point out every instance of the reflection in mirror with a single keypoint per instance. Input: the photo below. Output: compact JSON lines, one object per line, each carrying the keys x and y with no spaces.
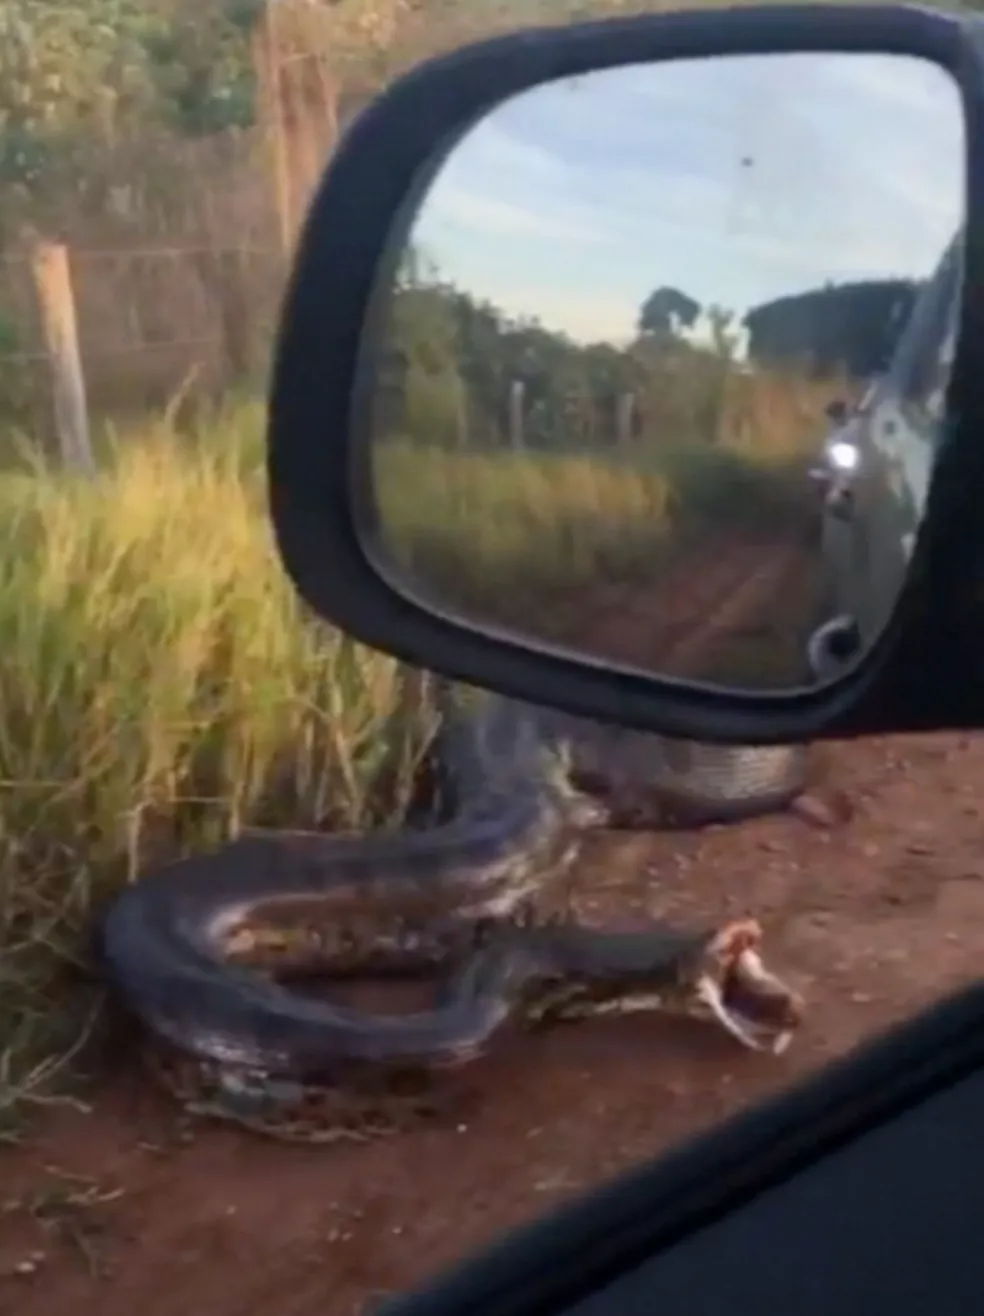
{"x":662,"y":371}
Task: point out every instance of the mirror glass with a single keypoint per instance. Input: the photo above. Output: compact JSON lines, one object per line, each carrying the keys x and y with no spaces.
{"x":659,"y":374}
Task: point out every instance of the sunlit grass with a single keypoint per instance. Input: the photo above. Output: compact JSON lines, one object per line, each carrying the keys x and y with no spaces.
{"x":499,"y":533}
{"x":160,"y":686}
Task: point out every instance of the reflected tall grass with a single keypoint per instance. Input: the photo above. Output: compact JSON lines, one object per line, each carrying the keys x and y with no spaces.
{"x":497,"y":533}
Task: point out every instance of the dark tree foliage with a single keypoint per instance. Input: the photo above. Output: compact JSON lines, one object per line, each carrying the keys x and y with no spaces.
{"x":667,"y":310}
{"x":850,"y":328}
{"x":448,"y":368}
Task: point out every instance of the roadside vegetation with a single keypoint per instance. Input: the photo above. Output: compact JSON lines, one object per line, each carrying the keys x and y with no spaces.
{"x":160,"y":687}
{"x":160,"y":683}
{"x":518,"y":471}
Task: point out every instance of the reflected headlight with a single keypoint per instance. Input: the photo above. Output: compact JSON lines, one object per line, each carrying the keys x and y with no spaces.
{"x":843,"y":456}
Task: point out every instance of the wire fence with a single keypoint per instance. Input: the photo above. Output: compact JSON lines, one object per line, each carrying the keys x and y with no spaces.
{"x":146,"y":321}
{"x":175,"y":250}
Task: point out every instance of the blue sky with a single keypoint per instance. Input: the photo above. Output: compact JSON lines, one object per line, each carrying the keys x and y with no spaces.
{"x":734,"y":179}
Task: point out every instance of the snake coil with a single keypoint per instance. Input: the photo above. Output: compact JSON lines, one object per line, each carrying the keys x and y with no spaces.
{"x":430,"y":896}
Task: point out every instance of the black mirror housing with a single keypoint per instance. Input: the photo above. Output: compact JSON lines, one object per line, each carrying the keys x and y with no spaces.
{"x":352,"y":236}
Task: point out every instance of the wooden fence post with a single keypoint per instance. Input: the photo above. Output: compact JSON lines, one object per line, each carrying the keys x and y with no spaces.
{"x":625,"y":419}
{"x":56,"y":303}
{"x":517,"y":399}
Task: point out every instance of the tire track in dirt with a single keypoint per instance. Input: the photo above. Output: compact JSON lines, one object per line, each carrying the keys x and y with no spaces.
{"x":667,"y":626}
{"x":699,"y":608}
{"x":758,"y":576}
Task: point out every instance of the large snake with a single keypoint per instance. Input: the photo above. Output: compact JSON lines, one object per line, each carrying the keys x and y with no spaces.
{"x":187,"y":945}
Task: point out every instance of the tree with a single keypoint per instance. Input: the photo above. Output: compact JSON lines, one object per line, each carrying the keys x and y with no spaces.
{"x":851,"y":327}
{"x":724,"y":341}
{"x":66,"y":75}
{"x":666,"y":311}
{"x":78,"y":78}
{"x":199,"y":64}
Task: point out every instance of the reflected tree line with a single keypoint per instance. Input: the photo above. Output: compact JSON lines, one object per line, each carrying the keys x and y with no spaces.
{"x":457,"y":371}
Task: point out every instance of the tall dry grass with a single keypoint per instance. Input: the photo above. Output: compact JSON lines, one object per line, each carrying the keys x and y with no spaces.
{"x":509,"y":536}
{"x":160,"y":686}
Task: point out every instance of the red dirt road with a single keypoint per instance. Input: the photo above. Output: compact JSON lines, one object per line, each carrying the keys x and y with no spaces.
{"x":717,"y":592}
{"x":736,"y":610}
{"x":872,"y":917}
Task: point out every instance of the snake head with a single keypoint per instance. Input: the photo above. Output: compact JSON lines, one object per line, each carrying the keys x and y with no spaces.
{"x":735,"y":988}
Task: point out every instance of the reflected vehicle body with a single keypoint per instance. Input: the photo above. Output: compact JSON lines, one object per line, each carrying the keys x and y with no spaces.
{"x":872,"y":511}
{"x":834,"y":470}
{"x":838,"y":475}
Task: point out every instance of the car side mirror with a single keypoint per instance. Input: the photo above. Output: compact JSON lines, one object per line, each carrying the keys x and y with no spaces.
{"x":563,"y":315}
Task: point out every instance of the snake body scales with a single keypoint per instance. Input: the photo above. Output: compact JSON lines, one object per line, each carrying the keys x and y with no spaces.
{"x":201,"y":951}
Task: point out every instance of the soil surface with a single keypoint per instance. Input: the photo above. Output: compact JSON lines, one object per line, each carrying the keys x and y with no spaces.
{"x":871,"y":891}
{"x":697,"y":620}
{"x":735,"y":609}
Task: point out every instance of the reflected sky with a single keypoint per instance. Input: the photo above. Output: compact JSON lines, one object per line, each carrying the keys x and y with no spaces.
{"x":734,"y":179}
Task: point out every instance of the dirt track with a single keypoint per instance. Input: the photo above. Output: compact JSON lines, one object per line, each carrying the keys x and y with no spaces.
{"x":736,"y":610}
{"x":871,"y":910}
